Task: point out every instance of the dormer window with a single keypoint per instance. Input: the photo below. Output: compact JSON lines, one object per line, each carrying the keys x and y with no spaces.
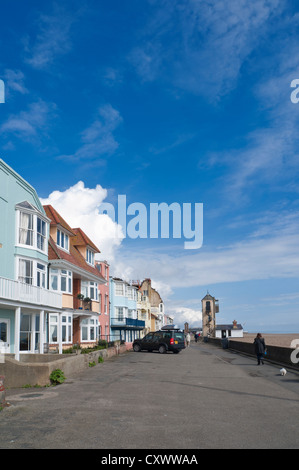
{"x":89,"y":256}
{"x":62,"y":240}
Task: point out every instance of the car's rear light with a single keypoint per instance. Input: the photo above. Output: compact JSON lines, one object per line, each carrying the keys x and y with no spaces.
{"x":171,"y":341}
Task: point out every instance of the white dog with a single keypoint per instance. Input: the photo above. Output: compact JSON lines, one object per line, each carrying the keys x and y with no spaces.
{"x":283,"y":371}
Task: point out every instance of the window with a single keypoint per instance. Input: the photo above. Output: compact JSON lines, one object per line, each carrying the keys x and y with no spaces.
{"x":26,"y":229}
{"x":89,"y":329}
{"x":106,"y":304}
{"x":66,"y":281}
{"x":119,"y":289}
{"x":89,"y":289}
{"x":62,"y":240}
{"x":25,"y":271}
{"x":41,"y":234}
{"x":25,"y":333}
{"x":93,"y":290}
{"x":32,"y":231}
{"x":54,"y":279}
{"x":119,"y":313}
{"x":53,"y":329}
{"x":89,"y":256}
{"x":41,"y":275}
{"x":66,"y":329}
{"x":130,"y":293}
{"x":61,"y":280}
{"x":131,"y":313}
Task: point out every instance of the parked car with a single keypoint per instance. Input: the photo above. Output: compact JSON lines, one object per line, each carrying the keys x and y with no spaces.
{"x":166,"y":339}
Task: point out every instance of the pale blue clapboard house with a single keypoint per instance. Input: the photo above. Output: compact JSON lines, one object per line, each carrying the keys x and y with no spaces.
{"x":25,"y":300}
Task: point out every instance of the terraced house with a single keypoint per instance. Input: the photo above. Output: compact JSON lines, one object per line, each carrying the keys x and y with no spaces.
{"x":124,"y":322}
{"x":72,"y":273}
{"x":26,"y":302}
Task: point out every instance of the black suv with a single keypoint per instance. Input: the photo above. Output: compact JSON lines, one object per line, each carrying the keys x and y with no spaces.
{"x":168,"y":338}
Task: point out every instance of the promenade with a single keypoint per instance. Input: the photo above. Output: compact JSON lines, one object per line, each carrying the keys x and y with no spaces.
{"x":203,"y":398}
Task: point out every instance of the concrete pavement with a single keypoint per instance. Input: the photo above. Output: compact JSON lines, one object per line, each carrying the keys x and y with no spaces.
{"x":203,"y":398}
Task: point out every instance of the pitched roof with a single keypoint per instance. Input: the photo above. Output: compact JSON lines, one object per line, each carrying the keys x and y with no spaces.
{"x":56,"y":219}
{"x":82,"y":239}
{"x":73,"y":256}
{"x":77,"y":238}
{"x":229,"y":327}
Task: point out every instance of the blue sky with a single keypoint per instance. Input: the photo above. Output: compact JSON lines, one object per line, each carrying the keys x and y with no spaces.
{"x":166,"y":101}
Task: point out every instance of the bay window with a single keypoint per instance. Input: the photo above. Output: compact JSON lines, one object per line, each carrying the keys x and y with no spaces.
{"x":66,"y":328}
{"x":32,"y":231}
{"x":61,"y":280}
{"x":25,"y":271}
{"x":26,"y":229}
{"x":89,"y":329}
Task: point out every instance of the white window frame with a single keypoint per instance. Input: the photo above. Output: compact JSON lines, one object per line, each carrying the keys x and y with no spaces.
{"x":89,"y":257}
{"x":91,"y":289}
{"x":35,"y":237}
{"x":41,"y":275}
{"x":35,"y":270}
{"x":63,"y":240}
{"x":67,"y":322}
{"x":61,"y":274}
{"x":90,"y":324}
{"x":119,"y":286}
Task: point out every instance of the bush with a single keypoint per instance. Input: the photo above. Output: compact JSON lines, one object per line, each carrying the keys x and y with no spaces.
{"x":100,"y":359}
{"x":57,"y":377}
{"x":91,"y":364}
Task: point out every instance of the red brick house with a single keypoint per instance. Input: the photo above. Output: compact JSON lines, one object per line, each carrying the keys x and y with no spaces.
{"x":104,"y":301}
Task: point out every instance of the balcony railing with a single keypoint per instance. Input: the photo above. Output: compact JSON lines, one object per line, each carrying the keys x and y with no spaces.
{"x":21,"y":292}
{"x":127,"y":323}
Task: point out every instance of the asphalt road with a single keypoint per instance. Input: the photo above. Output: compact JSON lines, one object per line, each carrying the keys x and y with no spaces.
{"x":203,"y":398}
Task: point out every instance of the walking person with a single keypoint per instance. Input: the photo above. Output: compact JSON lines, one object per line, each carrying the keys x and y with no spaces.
{"x":188,"y":339}
{"x":260,"y":348}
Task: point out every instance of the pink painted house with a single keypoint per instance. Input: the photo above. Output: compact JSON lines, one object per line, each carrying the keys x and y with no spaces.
{"x":104,"y":318}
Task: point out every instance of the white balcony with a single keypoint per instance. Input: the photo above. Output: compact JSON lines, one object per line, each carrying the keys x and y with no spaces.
{"x":21,"y":292}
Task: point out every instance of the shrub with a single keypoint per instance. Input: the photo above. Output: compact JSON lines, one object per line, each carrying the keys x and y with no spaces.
{"x":100,"y":359}
{"x":57,"y":377}
{"x":92,"y":364}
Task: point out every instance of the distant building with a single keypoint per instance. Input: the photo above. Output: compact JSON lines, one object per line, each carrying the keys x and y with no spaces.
{"x":233,"y":330}
{"x":156,"y":302}
{"x":124,"y":323}
{"x":210,"y":306}
{"x":104,"y":301}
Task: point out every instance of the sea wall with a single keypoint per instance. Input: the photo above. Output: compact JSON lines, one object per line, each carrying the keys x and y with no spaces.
{"x":276,"y":354}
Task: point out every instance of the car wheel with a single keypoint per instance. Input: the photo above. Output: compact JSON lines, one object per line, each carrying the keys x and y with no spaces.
{"x":162,"y":349}
{"x":136,"y":348}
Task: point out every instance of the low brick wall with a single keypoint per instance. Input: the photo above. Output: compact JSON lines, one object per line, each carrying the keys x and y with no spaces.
{"x":275,"y":354}
{"x":35,"y":369}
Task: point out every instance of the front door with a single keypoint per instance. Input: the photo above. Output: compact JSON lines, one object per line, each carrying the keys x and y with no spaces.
{"x":4,"y":335}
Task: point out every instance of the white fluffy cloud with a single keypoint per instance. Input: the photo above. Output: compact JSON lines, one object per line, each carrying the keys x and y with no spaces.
{"x":79,"y":206}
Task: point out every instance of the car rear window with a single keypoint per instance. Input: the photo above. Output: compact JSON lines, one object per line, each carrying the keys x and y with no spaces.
{"x":179,"y":335}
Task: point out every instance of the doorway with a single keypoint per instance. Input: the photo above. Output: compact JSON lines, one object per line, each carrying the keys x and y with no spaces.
{"x":4,"y":335}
